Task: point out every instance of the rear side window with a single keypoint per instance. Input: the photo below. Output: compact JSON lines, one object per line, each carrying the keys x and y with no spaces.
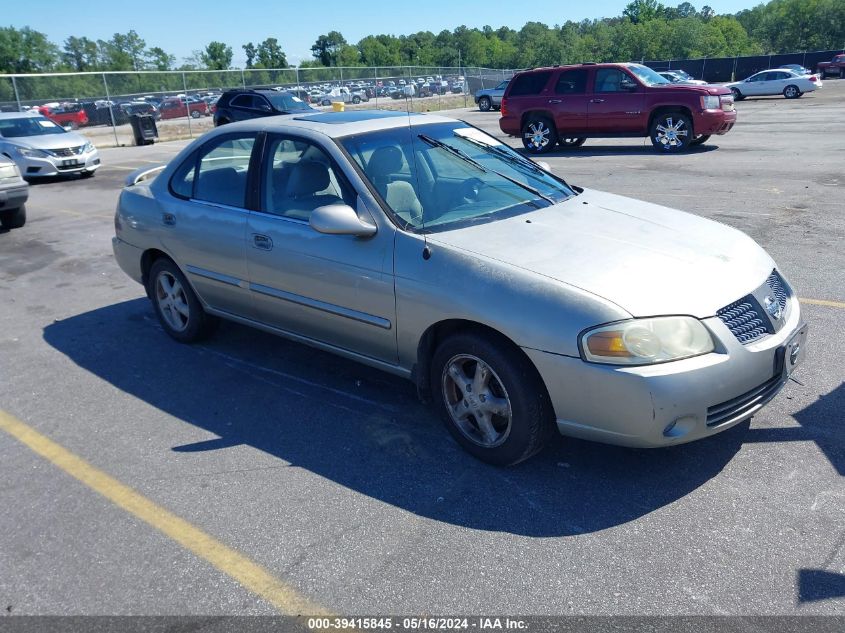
{"x":220,"y":175}
{"x":529,"y":84}
{"x":571,"y":82}
{"x":243,"y":101}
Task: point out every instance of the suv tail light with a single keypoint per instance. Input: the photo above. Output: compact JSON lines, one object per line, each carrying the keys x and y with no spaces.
{"x":503,"y":108}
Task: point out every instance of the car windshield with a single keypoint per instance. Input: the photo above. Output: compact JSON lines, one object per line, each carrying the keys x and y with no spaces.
{"x":28,"y":126}
{"x":682,"y":74}
{"x":442,"y":176}
{"x":648,"y":76}
{"x":288,"y":103}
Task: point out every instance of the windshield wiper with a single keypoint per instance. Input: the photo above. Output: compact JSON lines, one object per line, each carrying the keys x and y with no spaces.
{"x":513,"y":159}
{"x":464,"y":157}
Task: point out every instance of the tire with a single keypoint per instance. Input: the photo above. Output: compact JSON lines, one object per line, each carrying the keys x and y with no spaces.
{"x":74,"y":125}
{"x":222,"y":122}
{"x":87,"y":174}
{"x":519,"y":422}
{"x":538,"y":134}
{"x":700,"y":139}
{"x":356,"y":100}
{"x":569,"y":142}
{"x":14,"y":218}
{"x":842,"y":73}
{"x":738,"y":96}
{"x":791,"y":92}
{"x":186,"y":323}
{"x":484,"y":104}
{"x":671,"y":132}
{"x":195,"y":114}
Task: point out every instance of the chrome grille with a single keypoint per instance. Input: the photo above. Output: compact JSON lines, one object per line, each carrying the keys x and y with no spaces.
{"x":744,"y":319}
{"x":778,"y":288}
{"x":66,"y":151}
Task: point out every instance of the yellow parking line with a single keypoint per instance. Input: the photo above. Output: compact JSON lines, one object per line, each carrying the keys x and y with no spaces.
{"x":822,"y":302}
{"x":232,"y":563}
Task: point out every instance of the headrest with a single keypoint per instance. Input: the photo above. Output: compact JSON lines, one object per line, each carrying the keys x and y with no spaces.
{"x":308,"y":177}
{"x":385,"y":161}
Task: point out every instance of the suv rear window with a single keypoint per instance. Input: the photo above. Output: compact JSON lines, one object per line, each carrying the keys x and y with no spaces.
{"x":529,"y":84}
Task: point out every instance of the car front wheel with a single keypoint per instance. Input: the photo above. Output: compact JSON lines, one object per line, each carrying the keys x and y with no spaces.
{"x":490,"y":398}
{"x":177,"y":307}
{"x":738,"y":96}
{"x":698,"y":140}
{"x":791,"y":92}
{"x":13,"y":219}
{"x":484,"y":104}
{"x":569,"y":142}
{"x":539,"y":135}
{"x":671,"y":132}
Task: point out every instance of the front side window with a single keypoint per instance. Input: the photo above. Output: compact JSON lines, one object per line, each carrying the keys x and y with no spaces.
{"x":614,"y":80}
{"x":758,"y":77}
{"x":298,"y":176}
{"x":221,"y":173}
{"x":443,"y":175}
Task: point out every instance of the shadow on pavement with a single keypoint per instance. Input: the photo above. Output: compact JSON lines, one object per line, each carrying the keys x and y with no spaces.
{"x":366,"y":430}
{"x":645,"y":149}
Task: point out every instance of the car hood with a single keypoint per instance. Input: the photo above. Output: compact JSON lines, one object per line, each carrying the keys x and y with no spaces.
{"x":704,"y":89}
{"x":50,"y":141}
{"x":647,"y":259}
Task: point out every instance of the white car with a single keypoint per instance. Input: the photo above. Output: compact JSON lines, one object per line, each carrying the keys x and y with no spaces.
{"x":774,"y":82}
{"x":43,"y":148}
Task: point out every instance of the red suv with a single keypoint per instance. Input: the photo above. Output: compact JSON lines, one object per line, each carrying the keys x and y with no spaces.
{"x":568,"y":104}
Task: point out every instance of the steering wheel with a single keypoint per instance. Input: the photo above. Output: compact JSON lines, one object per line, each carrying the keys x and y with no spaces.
{"x":470,"y":190}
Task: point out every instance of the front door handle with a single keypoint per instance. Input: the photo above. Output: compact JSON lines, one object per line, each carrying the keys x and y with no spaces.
{"x":596,"y":100}
{"x":554,"y":100}
{"x":168,"y":218}
{"x":262,"y":242}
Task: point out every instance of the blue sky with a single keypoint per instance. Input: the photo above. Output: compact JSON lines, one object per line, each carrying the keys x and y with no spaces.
{"x":181,"y":26}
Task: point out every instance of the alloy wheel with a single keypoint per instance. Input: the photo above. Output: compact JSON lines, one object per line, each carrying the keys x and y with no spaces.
{"x":476,"y":400}
{"x":672,"y":133}
{"x":172,"y":301}
{"x":538,"y":135}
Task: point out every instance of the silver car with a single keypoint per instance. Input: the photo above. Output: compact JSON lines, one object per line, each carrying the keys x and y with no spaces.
{"x":491,"y":98}
{"x":424,"y":247}
{"x":43,"y":148}
{"x":14,"y":192}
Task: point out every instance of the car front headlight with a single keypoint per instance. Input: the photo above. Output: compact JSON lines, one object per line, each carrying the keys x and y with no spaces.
{"x":646,"y":341}
{"x":88,"y":147}
{"x":710,"y":102}
{"x":31,"y":153}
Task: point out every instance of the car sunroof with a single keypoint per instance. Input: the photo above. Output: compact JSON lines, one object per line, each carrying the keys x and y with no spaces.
{"x":353,"y":116}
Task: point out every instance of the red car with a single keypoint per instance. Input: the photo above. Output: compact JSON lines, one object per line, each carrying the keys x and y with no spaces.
{"x":568,"y":104}
{"x":177,"y":108}
{"x":67,"y":115}
{"x":835,"y":67}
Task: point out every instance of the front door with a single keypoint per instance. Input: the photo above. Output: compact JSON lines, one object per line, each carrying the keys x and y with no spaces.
{"x":616,"y":104}
{"x":335,"y":289}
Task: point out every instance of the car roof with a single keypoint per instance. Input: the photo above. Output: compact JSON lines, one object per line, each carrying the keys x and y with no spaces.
{"x":19,"y":115}
{"x":339,"y":124}
{"x":582,"y":65}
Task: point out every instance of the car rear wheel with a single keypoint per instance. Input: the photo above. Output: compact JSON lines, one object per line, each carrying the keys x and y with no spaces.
{"x":14,"y":218}
{"x":538,"y":134}
{"x":222,"y":121}
{"x":842,"y":73}
{"x":738,"y":96}
{"x":571,"y":142}
{"x":490,"y":398}
{"x":791,"y":92}
{"x":195,"y":114}
{"x":484,"y":104}
{"x":177,"y":307}
{"x":671,"y":132}
{"x":698,"y":140}
{"x":356,"y":100}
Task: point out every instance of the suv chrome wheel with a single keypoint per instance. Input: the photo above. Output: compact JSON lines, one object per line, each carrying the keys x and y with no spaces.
{"x":476,"y":400}
{"x":671,"y":132}
{"x":538,"y":135}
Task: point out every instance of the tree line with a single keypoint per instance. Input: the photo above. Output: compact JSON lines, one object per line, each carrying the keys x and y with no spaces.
{"x":646,"y":30}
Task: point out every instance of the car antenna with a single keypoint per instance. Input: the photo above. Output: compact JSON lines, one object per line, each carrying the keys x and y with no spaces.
{"x":426,"y":253}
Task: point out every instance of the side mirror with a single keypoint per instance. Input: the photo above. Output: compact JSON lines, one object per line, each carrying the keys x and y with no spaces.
{"x":340,"y":219}
{"x":543,"y":165}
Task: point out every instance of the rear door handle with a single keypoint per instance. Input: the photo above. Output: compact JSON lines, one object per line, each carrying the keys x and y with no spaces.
{"x":262,"y":242}
{"x":554,"y":100}
{"x":596,"y":100}
{"x":168,"y":218}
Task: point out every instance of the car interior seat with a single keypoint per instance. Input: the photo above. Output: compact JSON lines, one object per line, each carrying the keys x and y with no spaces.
{"x":384,"y":164}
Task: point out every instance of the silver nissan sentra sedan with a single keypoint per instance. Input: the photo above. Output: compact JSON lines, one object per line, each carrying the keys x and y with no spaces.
{"x":422,"y":246}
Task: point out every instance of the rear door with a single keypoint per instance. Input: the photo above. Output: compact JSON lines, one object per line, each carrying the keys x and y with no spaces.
{"x":569,"y":101}
{"x":245,"y":106}
{"x":203,"y":221}
{"x":616,"y":105}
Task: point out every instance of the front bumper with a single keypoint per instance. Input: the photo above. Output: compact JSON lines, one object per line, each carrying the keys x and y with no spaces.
{"x":712,"y":122}
{"x":675,"y":402}
{"x":41,"y":167}
{"x":13,"y":197}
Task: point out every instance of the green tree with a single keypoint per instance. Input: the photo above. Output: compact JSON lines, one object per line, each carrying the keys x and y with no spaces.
{"x":250,"y":51}
{"x":270,"y":54}
{"x":327,"y":47}
{"x":124,"y":51}
{"x":159,"y":59}
{"x":26,"y":51}
{"x":80,"y":54}
{"x":216,"y":56}
{"x":643,"y":10}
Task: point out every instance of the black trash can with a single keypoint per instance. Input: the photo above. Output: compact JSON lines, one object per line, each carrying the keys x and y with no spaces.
{"x":143,"y":129}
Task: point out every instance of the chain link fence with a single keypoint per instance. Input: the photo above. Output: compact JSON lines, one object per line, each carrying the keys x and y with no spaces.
{"x":101,"y":103}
